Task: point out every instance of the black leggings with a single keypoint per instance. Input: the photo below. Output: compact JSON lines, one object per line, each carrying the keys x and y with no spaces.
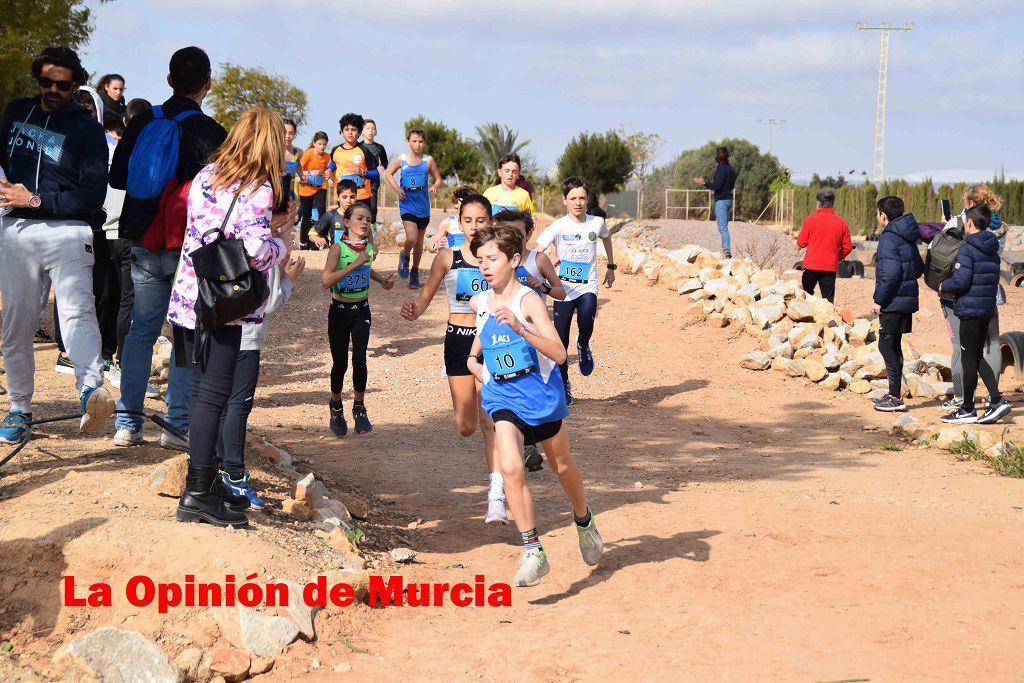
{"x":826,"y":279}
{"x":973,"y":339}
{"x":121,"y":258}
{"x":212,"y":381}
{"x":231,"y":442}
{"x":585,"y":307}
{"x":306,"y":206}
{"x":891,"y":348}
{"x":348,"y":321}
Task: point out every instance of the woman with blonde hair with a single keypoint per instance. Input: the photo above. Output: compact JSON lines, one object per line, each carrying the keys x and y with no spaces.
{"x":974,"y":195}
{"x":233,"y":195}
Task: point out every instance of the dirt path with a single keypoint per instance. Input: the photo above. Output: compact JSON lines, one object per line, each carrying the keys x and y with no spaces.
{"x":754,"y":524}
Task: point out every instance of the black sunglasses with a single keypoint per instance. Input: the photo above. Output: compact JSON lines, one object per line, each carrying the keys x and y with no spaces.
{"x":47,"y":83}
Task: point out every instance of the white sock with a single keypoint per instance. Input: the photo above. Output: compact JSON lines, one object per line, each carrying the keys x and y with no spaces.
{"x":497,"y":489}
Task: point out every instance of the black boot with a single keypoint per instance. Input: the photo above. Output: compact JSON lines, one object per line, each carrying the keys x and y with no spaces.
{"x":199,"y":504}
{"x":238,"y":503}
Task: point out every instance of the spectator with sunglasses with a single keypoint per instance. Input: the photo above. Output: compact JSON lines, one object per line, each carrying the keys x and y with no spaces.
{"x":54,"y":155}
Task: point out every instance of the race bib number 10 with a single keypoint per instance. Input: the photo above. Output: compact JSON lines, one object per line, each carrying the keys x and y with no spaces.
{"x":509,"y":360}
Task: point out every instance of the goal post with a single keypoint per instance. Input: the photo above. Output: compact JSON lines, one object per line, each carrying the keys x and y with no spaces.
{"x":690,"y":203}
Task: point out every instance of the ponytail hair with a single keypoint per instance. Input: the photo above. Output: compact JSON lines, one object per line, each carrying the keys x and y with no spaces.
{"x":983,"y":195}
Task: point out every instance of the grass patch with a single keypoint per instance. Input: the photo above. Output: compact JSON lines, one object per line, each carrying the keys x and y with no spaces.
{"x":1010,"y":463}
{"x":892,"y":446}
{"x":965,"y":448}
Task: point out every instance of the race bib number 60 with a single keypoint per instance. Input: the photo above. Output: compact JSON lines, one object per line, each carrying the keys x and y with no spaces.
{"x":470,"y":283}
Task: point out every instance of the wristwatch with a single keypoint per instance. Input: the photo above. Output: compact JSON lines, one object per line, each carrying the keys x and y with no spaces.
{"x":547,"y":288}
{"x":612,"y":266}
{"x":35,"y":201}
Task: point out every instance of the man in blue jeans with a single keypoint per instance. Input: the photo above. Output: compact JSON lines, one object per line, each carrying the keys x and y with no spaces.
{"x":157,"y":229}
{"x":722,"y":184}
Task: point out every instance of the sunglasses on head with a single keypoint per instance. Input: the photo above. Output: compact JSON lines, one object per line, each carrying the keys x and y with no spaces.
{"x":47,"y":83}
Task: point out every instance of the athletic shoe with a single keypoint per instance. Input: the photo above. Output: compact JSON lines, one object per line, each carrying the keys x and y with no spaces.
{"x":568,"y":394}
{"x":15,"y":429}
{"x":42,"y":337}
{"x":337,"y":424}
{"x":403,"y":264}
{"x":591,"y":545}
{"x":113,"y":375}
{"x":586,"y":358}
{"x":960,"y":417}
{"x":363,"y":425}
{"x":414,"y":278}
{"x":496,"y":513}
{"x":172,"y":443}
{"x":890,"y":404}
{"x":97,"y":405}
{"x":125,"y":437}
{"x":64,"y":365}
{"x":952,"y":404}
{"x":152,"y":392}
{"x":533,"y":460}
{"x":532,"y":568}
{"x":728,"y":254}
{"x":241,"y":487}
{"x":994,"y":412}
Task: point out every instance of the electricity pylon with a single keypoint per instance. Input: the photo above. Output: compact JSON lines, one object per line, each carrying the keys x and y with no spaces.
{"x":878,"y":155}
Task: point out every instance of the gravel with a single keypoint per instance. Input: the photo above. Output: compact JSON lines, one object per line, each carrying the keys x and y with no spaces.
{"x":765,"y":246}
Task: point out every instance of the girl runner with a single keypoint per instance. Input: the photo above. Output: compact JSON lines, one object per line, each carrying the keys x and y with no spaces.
{"x":513,"y":357}
{"x":460,"y":272}
{"x":507,"y":195}
{"x":347,"y":274}
{"x":448,"y":233}
{"x":312,"y":189}
{"x":574,"y":237}
{"x":414,"y":200}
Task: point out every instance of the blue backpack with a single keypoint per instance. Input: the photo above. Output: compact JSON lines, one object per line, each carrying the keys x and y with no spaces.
{"x":154,"y":159}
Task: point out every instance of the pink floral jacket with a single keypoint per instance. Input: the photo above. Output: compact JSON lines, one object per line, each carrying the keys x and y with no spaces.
{"x":249,"y":222}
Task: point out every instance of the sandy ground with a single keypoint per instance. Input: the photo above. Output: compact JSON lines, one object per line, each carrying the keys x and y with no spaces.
{"x":756,"y":526}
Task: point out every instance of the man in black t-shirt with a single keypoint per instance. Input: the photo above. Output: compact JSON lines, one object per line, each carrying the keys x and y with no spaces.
{"x":380,"y":158}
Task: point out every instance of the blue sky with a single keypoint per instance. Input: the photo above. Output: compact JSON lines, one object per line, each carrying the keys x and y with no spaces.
{"x":689,"y":71}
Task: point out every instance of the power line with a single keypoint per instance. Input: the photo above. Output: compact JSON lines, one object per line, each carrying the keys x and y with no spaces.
{"x":771,"y":123}
{"x":878,"y":152}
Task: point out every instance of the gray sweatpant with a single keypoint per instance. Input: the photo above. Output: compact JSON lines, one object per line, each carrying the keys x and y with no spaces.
{"x":30,"y":252}
{"x":992,"y":355}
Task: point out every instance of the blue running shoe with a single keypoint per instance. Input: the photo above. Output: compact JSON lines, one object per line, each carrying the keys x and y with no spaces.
{"x":97,"y":405}
{"x":586,"y":358}
{"x":403,"y":265}
{"x":242,"y":487}
{"x":568,"y":393}
{"x":338,"y":425}
{"x":363,"y":425}
{"x":15,"y":428}
{"x":414,"y":278}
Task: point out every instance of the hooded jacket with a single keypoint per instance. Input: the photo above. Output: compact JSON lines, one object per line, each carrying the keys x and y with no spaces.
{"x":975,"y":280}
{"x":59,"y":155}
{"x":898,"y":265}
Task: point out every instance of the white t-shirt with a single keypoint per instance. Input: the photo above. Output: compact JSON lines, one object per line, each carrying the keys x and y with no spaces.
{"x":576,"y":248}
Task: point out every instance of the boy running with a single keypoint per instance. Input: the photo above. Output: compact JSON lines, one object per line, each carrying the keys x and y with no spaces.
{"x":414,"y":197}
{"x":332,"y":223}
{"x":507,"y":195}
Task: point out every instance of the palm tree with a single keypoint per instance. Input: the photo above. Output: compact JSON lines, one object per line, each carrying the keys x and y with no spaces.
{"x":497,"y":140}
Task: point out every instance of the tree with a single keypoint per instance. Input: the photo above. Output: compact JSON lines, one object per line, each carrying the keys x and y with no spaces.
{"x":829,"y":181}
{"x":603,"y":160}
{"x":495,"y":141}
{"x":236,"y":89}
{"x":28,"y":26}
{"x":456,"y":157}
{"x":755,"y":172}
{"x":643,"y":147}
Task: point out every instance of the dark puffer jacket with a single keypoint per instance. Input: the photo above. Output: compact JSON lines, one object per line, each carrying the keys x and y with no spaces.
{"x":898,"y":266}
{"x":975,"y":280}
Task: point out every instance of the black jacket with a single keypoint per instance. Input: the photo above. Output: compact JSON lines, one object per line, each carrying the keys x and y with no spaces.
{"x":69,"y":150}
{"x":200,"y":138}
{"x":898,"y":265}
{"x":975,"y":280}
{"x":379,"y":157}
{"x":723,"y":181}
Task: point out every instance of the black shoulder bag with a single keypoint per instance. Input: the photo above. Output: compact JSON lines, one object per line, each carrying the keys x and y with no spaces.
{"x":229,"y":288}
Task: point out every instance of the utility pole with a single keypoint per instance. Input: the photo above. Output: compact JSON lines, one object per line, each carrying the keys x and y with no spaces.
{"x":771,"y":123}
{"x":878,"y":154}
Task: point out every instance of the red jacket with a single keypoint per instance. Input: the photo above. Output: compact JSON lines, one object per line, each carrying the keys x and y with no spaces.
{"x":167,"y":231}
{"x":827,"y":239}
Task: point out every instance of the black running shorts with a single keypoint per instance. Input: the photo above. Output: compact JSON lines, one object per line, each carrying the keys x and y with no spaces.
{"x":531,"y":434}
{"x":458,"y":342}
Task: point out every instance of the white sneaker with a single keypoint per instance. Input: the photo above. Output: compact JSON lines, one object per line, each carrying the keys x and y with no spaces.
{"x":591,"y":545}
{"x":97,"y":405}
{"x":151,"y":391}
{"x":113,"y":375}
{"x":496,"y":512}
{"x":173,"y":443}
{"x":125,"y":437}
{"x":532,"y":568}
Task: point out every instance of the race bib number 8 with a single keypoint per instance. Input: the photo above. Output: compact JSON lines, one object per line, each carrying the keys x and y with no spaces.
{"x":509,"y":360}
{"x":356,"y":281}
{"x":470,"y":283}
{"x":574,"y":271}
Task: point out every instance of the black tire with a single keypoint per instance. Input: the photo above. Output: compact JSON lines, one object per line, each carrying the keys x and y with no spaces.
{"x":1017,"y":280}
{"x":1011,"y":344}
{"x":1017,"y":268}
{"x":799,"y":265}
{"x":1006,"y":276}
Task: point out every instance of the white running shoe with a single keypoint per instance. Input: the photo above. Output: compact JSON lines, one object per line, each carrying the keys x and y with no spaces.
{"x":496,"y":512}
{"x":151,"y":391}
{"x":97,"y":405}
{"x":126,"y":437}
{"x":173,"y":443}
{"x":591,"y":545}
{"x":532,"y":568}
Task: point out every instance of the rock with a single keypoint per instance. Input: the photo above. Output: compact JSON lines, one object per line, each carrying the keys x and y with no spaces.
{"x":793,"y":368}
{"x":302,"y":614}
{"x":860,"y":386}
{"x":845,"y":377}
{"x":783,"y":349}
{"x":650,"y":269}
{"x":168,"y":478}
{"x":764,"y":278}
{"x":740,"y":316}
{"x":403,"y":555}
{"x":768,"y":311}
{"x":298,"y":508}
{"x":284,"y":458}
{"x":261,"y":665}
{"x":758,"y":360}
{"x":699,"y":295}
{"x":851,"y":367}
{"x":257,"y":633}
{"x":847,"y":315}
{"x":919,"y":388}
{"x":337,"y":508}
{"x":936,"y":360}
{"x":718,"y":320}
{"x":230,"y":664}
{"x":804,"y":337}
{"x":342,"y":667}
{"x":800,"y":311}
{"x":114,"y":655}
{"x":720,"y":288}
{"x":751,"y":290}
{"x":904,"y":420}
{"x":873,"y":367}
{"x":800,"y":354}
{"x":831,"y":358}
{"x":189,"y":662}
{"x":360,"y":582}
{"x":304,"y":488}
{"x":690,"y":286}
{"x":637,"y":261}
{"x":341,"y":542}
{"x":858,"y":331}
{"x":357,"y":507}
{"x":833,"y":382}
{"x":814,"y":370}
